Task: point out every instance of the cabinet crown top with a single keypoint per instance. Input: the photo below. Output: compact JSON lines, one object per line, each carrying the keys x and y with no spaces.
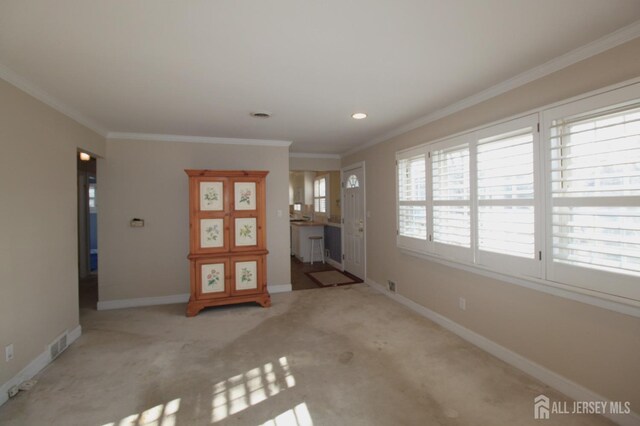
{"x":226,"y":173}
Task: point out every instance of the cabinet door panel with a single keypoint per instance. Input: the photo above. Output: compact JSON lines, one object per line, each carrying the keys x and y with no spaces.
{"x":209,"y":218}
{"x":245,"y":195}
{"x":248,"y":274}
{"x":211,"y":195}
{"x":212,"y":278}
{"x":246,"y":231}
{"x":211,"y":235}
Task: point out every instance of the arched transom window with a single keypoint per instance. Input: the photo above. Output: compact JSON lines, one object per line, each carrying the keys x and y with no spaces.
{"x":353,"y":182}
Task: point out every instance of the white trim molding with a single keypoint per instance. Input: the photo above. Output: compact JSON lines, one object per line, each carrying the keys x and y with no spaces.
{"x":313,"y":155}
{"x":196,"y":139}
{"x":590,"y":297}
{"x":335,"y":264}
{"x":555,"y":380}
{"x":600,"y":45}
{"x":44,"y":97}
{"x":35,"y":366}
{"x":279,"y":288}
{"x":105,"y":305}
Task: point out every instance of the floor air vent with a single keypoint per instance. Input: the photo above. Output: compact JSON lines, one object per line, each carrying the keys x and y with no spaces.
{"x":58,"y":346}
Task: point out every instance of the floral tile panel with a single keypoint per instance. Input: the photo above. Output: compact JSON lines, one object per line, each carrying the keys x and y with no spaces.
{"x":213,"y":278}
{"x":246,"y":231}
{"x":211,"y":194}
{"x":211,"y":233}
{"x":246,"y":275}
{"x":245,"y":196}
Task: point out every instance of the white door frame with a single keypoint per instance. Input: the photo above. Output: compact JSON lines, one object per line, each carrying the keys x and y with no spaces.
{"x":83,"y":224}
{"x":359,"y":164}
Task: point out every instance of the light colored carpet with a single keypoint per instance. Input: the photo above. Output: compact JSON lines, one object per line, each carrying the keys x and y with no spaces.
{"x":337,"y":356}
{"x":331,"y":277}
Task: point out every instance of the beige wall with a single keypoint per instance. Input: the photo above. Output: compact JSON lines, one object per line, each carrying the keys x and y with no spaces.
{"x":593,"y":347}
{"x":38,"y":224}
{"x":146,"y":179}
{"x":315,"y":164}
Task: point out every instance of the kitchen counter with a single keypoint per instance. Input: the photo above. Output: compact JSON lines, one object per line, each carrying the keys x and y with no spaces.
{"x":310,"y":223}
{"x":301,"y":246}
{"x":300,"y":243}
{"x":306,"y":223}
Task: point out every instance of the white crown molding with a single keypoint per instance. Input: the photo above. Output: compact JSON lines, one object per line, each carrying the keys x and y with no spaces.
{"x":196,"y":139}
{"x":609,"y":41}
{"x":313,"y":155}
{"x":600,"y":45}
{"x":26,"y":86}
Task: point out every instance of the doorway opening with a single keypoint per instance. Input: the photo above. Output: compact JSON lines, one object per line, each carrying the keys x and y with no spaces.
{"x":87,"y":231}
{"x":315,"y":222}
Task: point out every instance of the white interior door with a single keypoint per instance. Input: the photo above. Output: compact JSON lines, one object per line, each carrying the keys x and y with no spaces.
{"x":353,"y":230}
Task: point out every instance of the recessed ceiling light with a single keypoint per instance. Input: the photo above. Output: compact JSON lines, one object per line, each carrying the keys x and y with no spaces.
{"x":260,"y":114}
{"x":84,"y":156}
{"x":359,"y":115}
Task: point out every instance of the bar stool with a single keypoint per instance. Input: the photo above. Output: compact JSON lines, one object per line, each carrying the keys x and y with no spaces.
{"x":320,"y":240}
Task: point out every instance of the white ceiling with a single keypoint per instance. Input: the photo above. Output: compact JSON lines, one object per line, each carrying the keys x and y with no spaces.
{"x":199,"y":68}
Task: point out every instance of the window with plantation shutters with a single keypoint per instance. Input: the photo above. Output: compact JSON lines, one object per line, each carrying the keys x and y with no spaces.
{"x":507,"y":196}
{"x":594,"y":173}
{"x":412,"y":198}
{"x":320,"y":195}
{"x":549,"y":199}
{"x":451,"y":198}
{"x":595,"y":185}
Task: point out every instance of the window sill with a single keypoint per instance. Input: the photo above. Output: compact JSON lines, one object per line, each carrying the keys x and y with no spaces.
{"x":602,"y":300}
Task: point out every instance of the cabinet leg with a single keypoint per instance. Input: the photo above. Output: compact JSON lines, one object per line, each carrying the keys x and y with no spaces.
{"x":193,"y":309}
{"x":265,"y":302}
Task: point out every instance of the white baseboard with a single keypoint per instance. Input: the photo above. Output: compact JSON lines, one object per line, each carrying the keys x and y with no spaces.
{"x":335,"y":264}
{"x":166,"y":300}
{"x":142,"y":301}
{"x":35,"y":366}
{"x":280,"y":288}
{"x":556,"y":381}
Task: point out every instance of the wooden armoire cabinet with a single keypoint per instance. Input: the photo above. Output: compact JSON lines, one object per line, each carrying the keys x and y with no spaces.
{"x":227,"y":233}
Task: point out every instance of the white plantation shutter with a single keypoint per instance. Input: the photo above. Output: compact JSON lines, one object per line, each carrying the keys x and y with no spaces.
{"x":507,"y":196}
{"x":451,"y":198}
{"x":554,"y":196}
{"x":412,"y":199}
{"x":594,"y":169}
{"x":320,"y":195}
